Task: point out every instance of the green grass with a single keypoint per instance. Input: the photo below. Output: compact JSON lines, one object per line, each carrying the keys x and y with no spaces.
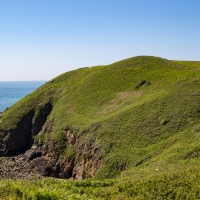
{"x":144,"y":112}
{"x":175,"y":184}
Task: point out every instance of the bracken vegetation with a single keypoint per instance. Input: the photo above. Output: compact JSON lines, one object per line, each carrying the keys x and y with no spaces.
{"x":145,"y":115}
{"x":179,"y":184}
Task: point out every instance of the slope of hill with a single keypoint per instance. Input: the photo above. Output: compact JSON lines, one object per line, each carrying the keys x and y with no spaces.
{"x":132,"y":118}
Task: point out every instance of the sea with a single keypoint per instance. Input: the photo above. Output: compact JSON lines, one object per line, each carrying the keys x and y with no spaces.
{"x":12,"y":91}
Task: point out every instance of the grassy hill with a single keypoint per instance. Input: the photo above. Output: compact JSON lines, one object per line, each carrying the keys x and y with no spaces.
{"x":139,"y":118}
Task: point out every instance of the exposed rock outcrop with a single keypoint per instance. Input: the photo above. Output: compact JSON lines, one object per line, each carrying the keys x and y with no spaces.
{"x":82,"y":159}
{"x":13,"y":142}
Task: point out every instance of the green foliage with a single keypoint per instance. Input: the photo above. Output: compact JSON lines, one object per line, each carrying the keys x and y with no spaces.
{"x":143,"y":111}
{"x":70,"y":152}
{"x":39,"y":139}
{"x":176,"y":184}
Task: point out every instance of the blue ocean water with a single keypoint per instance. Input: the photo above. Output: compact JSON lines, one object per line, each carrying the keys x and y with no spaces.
{"x":11,"y":92}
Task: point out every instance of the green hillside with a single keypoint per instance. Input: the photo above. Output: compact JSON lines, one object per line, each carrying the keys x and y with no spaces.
{"x":136,"y":120}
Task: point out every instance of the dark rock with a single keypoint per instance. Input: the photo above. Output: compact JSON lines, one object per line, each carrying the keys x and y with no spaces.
{"x":61,"y":175}
{"x":19,"y":140}
{"x":82,"y":161}
{"x":32,"y":154}
{"x":52,"y":162}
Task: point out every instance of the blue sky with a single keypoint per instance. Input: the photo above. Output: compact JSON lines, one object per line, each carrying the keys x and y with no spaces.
{"x":40,"y":39}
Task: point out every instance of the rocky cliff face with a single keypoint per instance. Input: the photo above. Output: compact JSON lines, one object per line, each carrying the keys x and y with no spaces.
{"x":18,"y":140}
{"x":13,"y":142}
{"x":81,"y":158}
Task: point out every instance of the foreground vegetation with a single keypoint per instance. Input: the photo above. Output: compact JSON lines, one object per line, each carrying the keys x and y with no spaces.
{"x":177,"y":184}
{"x":144,"y":113}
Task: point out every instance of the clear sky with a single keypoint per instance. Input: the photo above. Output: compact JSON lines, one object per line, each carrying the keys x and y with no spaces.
{"x":40,"y":39}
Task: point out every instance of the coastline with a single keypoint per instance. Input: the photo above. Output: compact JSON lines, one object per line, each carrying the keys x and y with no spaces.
{"x":12,"y":91}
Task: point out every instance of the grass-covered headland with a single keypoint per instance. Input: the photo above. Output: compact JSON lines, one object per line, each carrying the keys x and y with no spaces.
{"x":130,"y":129}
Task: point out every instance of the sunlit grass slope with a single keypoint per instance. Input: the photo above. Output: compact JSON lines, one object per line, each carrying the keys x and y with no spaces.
{"x":179,"y":184}
{"x":144,"y":112}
